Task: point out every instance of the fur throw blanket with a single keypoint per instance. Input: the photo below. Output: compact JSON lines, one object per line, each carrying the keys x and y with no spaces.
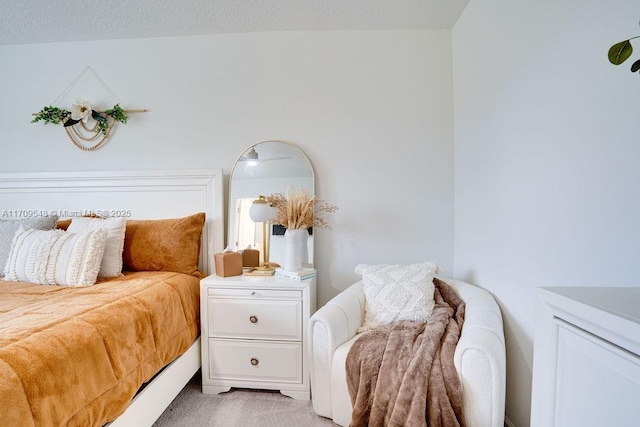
{"x":403,"y":374}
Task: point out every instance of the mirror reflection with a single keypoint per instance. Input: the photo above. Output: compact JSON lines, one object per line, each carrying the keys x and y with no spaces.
{"x":262,"y":169}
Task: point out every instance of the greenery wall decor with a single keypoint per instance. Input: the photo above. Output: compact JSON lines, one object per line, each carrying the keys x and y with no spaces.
{"x":81,"y":112}
{"x":55,"y":115}
{"x":87,"y":127}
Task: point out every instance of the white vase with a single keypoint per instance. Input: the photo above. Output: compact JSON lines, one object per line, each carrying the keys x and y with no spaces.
{"x":295,"y":249}
{"x":305,"y":247}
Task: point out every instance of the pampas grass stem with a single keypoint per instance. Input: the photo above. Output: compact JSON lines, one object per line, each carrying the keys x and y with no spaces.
{"x":300,"y":210}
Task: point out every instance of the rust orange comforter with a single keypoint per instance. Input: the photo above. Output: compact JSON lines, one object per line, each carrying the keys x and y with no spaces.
{"x":76,"y":356}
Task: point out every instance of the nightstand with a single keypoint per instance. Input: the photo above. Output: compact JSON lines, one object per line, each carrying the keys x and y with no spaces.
{"x":254,"y":333}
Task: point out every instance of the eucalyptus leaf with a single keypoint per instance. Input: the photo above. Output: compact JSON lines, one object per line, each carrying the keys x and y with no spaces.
{"x":71,"y":122}
{"x":635,"y":66}
{"x":620,"y":52}
{"x":97,"y":116}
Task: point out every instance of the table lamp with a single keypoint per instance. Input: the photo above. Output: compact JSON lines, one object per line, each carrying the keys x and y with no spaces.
{"x":262,"y":211}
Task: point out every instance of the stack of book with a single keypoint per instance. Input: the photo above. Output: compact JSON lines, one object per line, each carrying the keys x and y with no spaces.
{"x":305,"y":273}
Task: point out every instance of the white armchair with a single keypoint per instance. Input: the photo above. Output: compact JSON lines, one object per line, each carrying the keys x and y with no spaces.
{"x":480,"y":357}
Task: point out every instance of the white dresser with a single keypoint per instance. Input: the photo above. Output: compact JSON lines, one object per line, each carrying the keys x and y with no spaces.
{"x":254,"y":333}
{"x":586,"y":367}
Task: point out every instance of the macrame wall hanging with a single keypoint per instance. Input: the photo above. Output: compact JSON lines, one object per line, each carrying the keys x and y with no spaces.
{"x":86,"y":127}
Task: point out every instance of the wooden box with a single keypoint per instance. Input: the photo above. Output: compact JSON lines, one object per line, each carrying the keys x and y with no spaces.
{"x":228,"y":264}
{"x":250,"y":258}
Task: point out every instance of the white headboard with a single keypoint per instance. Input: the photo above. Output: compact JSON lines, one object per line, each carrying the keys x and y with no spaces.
{"x":136,"y":195}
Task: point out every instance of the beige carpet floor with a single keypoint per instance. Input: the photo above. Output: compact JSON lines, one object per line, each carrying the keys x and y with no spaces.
{"x":238,"y":408}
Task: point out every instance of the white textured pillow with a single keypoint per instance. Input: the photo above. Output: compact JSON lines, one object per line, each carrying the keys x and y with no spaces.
{"x":55,"y":257}
{"x":395,"y":292}
{"x":9,"y":227}
{"x":111,"y":265}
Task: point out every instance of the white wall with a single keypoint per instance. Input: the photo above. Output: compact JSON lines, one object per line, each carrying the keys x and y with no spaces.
{"x":372,"y":110}
{"x":547,"y":155}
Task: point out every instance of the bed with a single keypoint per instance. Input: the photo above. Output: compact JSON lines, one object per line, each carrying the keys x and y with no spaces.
{"x":146,"y":367}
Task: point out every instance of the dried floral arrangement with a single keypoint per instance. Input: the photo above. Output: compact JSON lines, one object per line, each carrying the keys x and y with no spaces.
{"x":300,"y":210}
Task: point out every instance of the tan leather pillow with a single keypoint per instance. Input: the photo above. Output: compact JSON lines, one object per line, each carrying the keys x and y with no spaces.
{"x":63,"y":224}
{"x":164,"y":244}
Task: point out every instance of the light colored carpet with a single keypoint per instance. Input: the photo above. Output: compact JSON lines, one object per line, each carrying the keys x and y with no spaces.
{"x":236,"y":408}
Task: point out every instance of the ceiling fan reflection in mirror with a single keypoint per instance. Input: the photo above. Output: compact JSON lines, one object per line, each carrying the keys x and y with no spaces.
{"x":253,"y":159}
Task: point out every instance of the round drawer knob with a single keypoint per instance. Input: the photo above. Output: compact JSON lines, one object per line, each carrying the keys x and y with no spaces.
{"x":253,"y":319}
{"x":254,"y":361}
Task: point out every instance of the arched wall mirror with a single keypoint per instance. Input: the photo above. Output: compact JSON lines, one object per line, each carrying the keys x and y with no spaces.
{"x":265,"y":168}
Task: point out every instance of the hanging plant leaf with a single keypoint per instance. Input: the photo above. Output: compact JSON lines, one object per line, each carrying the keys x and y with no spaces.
{"x":50,"y":114}
{"x":620,"y":52}
{"x":97,"y":116}
{"x":117,"y":113}
{"x":71,"y":122}
{"x":635,"y":66}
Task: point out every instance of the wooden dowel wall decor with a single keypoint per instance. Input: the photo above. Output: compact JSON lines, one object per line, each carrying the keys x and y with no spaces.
{"x":85,"y":126}
{"x":135,"y":110}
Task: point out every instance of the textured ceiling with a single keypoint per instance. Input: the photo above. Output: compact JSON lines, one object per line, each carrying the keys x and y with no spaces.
{"x":43,"y":21}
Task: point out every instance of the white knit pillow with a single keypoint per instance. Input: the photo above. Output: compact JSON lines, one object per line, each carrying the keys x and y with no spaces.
{"x":9,"y":227}
{"x":395,"y":292}
{"x":111,"y":265}
{"x":55,"y":257}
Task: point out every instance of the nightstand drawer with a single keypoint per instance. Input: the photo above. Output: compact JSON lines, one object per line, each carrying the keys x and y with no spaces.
{"x":255,"y":361}
{"x":257,"y":319}
{"x":254,"y":293}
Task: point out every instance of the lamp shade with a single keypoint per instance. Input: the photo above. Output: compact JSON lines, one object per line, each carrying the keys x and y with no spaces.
{"x":261,"y":210}
{"x":252,"y":157}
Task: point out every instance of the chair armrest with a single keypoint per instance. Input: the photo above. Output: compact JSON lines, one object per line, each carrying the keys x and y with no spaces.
{"x":331,"y":326}
{"x":480,"y":357}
